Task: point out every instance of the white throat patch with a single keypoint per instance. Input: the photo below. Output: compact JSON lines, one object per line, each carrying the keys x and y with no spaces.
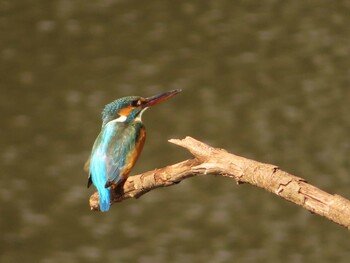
{"x":122,"y":118}
{"x":138,"y":118}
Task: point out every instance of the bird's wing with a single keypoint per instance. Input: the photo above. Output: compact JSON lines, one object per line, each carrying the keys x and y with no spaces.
{"x":123,"y":151}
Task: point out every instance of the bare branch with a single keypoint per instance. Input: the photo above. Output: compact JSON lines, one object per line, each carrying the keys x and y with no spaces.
{"x":209,"y":160}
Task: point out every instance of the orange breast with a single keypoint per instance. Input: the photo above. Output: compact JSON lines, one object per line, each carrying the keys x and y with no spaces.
{"x":135,"y":153}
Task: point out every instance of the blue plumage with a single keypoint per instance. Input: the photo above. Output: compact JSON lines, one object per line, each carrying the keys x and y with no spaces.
{"x":111,"y":110}
{"x":113,"y":156}
{"x":98,"y":166}
{"x":120,"y":142}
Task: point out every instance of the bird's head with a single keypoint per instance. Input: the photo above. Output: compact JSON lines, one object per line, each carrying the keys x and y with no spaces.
{"x":130,"y":108}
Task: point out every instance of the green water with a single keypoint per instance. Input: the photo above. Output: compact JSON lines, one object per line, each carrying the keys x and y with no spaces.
{"x":268,"y":80}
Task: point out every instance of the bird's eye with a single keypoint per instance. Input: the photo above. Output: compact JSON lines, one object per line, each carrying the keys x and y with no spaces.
{"x":136,"y":103}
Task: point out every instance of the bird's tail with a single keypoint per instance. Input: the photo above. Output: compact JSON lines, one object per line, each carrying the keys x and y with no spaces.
{"x":105,"y":198}
{"x":98,"y":178}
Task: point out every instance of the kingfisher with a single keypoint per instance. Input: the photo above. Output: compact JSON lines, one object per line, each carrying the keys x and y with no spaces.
{"x":119,"y":144}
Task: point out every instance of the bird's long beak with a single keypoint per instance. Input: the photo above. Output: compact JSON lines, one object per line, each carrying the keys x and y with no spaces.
{"x":160,"y":97}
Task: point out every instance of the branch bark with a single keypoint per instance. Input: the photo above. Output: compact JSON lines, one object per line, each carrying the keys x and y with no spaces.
{"x":209,"y":160}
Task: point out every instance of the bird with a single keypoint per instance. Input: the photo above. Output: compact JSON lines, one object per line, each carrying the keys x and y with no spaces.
{"x":119,"y":143}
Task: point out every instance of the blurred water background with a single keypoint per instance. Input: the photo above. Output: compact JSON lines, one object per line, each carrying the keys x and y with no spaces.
{"x":268,"y":80}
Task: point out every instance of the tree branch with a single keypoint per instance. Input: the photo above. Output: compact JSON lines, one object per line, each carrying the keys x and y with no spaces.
{"x":209,"y":160}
